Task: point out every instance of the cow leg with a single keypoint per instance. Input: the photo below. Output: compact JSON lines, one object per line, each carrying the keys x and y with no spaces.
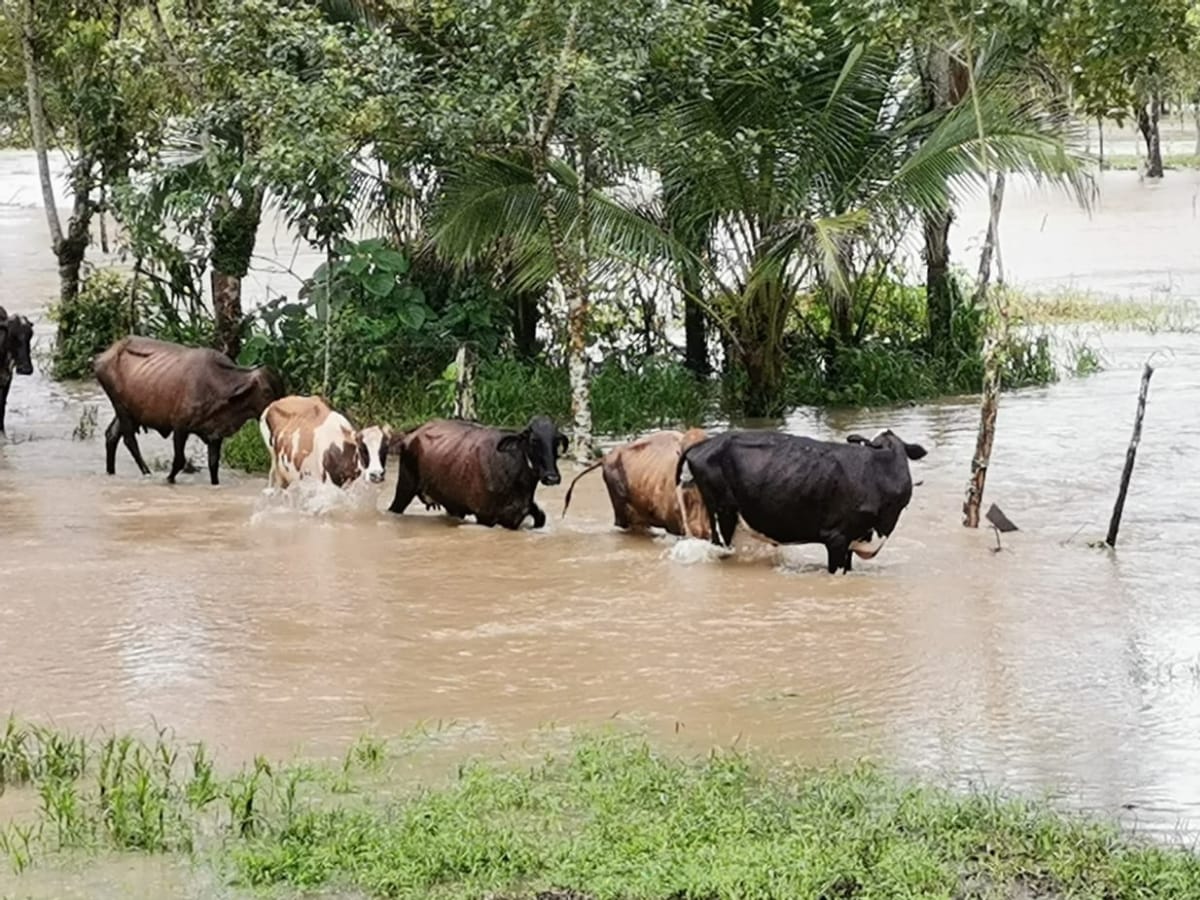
{"x":214,"y":459}
{"x":838,"y":550}
{"x":408,"y":481}
{"x":727,"y":519}
{"x":539,"y":517}
{"x":112,"y":437}
{"x":5,"y":383}
{"x":180,"y":459}
{"x":618,"y":495}
{"x":129,"y":436}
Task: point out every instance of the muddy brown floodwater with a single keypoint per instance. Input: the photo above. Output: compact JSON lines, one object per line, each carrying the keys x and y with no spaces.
{"x":269,"y":625}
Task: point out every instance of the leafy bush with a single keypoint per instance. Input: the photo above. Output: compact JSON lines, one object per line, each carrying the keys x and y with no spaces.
{"x":104,"y":312}
{"x":246,"y":450}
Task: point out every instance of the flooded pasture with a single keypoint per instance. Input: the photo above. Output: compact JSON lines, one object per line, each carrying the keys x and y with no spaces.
{"x":273,"y":625}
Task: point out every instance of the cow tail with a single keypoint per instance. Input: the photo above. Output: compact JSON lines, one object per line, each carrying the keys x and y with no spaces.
{"x":567,"y":502}
{"x":679,"y":474}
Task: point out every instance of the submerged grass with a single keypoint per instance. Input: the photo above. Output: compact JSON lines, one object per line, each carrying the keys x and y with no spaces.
{"x":1073,"y":307}
{"x":606,"y":818}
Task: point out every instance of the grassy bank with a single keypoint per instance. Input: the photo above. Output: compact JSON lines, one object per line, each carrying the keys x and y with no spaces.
{"x":1132,"y":162}
{"x":607,"y":817}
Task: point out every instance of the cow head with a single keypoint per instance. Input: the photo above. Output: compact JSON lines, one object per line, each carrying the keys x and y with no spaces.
{"x":373,"y":446}
{"x":887,"y":440}
{"x":540,"y":442}
{"x":257,"y":388}
{"x":16,"y":337}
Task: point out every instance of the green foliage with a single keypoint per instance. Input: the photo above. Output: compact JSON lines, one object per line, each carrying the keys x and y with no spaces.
{"x":246,"y":450}
{"x":1116,"y":53}
{"x":104,"y":312}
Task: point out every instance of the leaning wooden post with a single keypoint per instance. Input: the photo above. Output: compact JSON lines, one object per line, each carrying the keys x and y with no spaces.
{"x":1114,"y":523}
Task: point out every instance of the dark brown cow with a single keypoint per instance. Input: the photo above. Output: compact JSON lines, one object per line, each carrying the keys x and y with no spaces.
{"x":640,"y":477}
{"x":16,"y":340}
{"x":164,"y":387}
{"x":468,"y":469}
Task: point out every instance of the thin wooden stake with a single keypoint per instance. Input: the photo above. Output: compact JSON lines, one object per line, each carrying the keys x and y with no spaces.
{"x":1130,"y":455}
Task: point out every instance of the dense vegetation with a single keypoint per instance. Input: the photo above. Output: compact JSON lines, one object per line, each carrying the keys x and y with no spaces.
{"x":606,"y":817}
{"x":630,"y":213}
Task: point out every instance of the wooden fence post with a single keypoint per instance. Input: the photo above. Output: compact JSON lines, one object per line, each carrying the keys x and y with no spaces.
{"x":1114,"y":523}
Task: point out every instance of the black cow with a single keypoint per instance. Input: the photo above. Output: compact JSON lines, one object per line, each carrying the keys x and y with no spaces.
{"x":16,"y":339}
{"x":468,"y":468}
{"x":796,"y":490}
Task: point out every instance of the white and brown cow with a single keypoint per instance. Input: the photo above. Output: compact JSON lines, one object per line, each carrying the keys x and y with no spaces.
{"x":308,"y":440}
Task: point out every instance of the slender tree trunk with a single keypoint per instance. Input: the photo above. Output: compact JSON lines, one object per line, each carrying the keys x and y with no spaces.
{"x":989,"y":405}
{"x":1196,"y":120}
{"x":1100,"y":129}
{"x":578,"y":322}
{"x":571,"y":263}
{"x":1147,"y":117}
{"x":37,"y":121}
{"x":69,"y":249}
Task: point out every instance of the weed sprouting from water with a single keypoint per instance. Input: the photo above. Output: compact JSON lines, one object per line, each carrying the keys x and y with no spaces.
{"x":85,"y":428}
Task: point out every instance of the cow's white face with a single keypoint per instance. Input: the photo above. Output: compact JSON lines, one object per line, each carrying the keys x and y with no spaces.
{"x":372,"y":452}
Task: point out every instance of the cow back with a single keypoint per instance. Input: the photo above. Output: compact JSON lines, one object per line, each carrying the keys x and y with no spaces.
{"x":460,"y":466}
{"x":167,"y":386}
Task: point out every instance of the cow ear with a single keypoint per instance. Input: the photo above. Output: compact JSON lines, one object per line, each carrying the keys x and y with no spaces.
{"x":856,"y":439}
{"x":914,"y":451}
{"x":513,"y":441}
{"x":395,"y":441}
{"x":560,"y":443}
{"x":242,"y":390}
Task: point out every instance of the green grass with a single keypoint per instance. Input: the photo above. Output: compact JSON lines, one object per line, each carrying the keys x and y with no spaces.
{"x":1131,"y":162}
{"x":608,"y":817}
{"x":1073,"y":307}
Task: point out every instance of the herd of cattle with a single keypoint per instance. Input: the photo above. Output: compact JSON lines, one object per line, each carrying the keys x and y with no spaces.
{"x":786,"y":489}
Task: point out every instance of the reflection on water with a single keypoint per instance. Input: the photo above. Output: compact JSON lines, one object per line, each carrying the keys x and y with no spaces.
{"x":290,"y":623}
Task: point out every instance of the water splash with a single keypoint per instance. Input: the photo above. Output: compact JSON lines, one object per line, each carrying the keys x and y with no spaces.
{"x":317,"y":499}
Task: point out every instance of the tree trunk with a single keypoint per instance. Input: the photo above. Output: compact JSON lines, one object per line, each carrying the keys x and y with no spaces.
{"x":1196,"y":119}
{"x":526,"y":315}
{"x":695,"y":331}
{"x":1100,"y":129}
{"x":989,"y":405}
{"x":1147,"y":117}
{"x":939,"y":284}
{"x":946,"y":81}
{"x":71,"y":248}
{"x":758,"y":339}
{"x":234,"y":229}
{"x":227,"y":312}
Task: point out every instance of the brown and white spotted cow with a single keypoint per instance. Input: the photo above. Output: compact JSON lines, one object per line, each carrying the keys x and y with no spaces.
{"x":307,"y":439}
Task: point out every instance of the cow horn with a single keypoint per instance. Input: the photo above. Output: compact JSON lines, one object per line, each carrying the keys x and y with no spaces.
{"x":865,"y":551}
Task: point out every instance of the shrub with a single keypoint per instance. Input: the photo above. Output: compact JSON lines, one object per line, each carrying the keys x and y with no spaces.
{"x":105,"y":311}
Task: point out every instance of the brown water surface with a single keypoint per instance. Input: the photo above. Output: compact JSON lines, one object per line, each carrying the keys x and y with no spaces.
{"x":277,"y":625}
